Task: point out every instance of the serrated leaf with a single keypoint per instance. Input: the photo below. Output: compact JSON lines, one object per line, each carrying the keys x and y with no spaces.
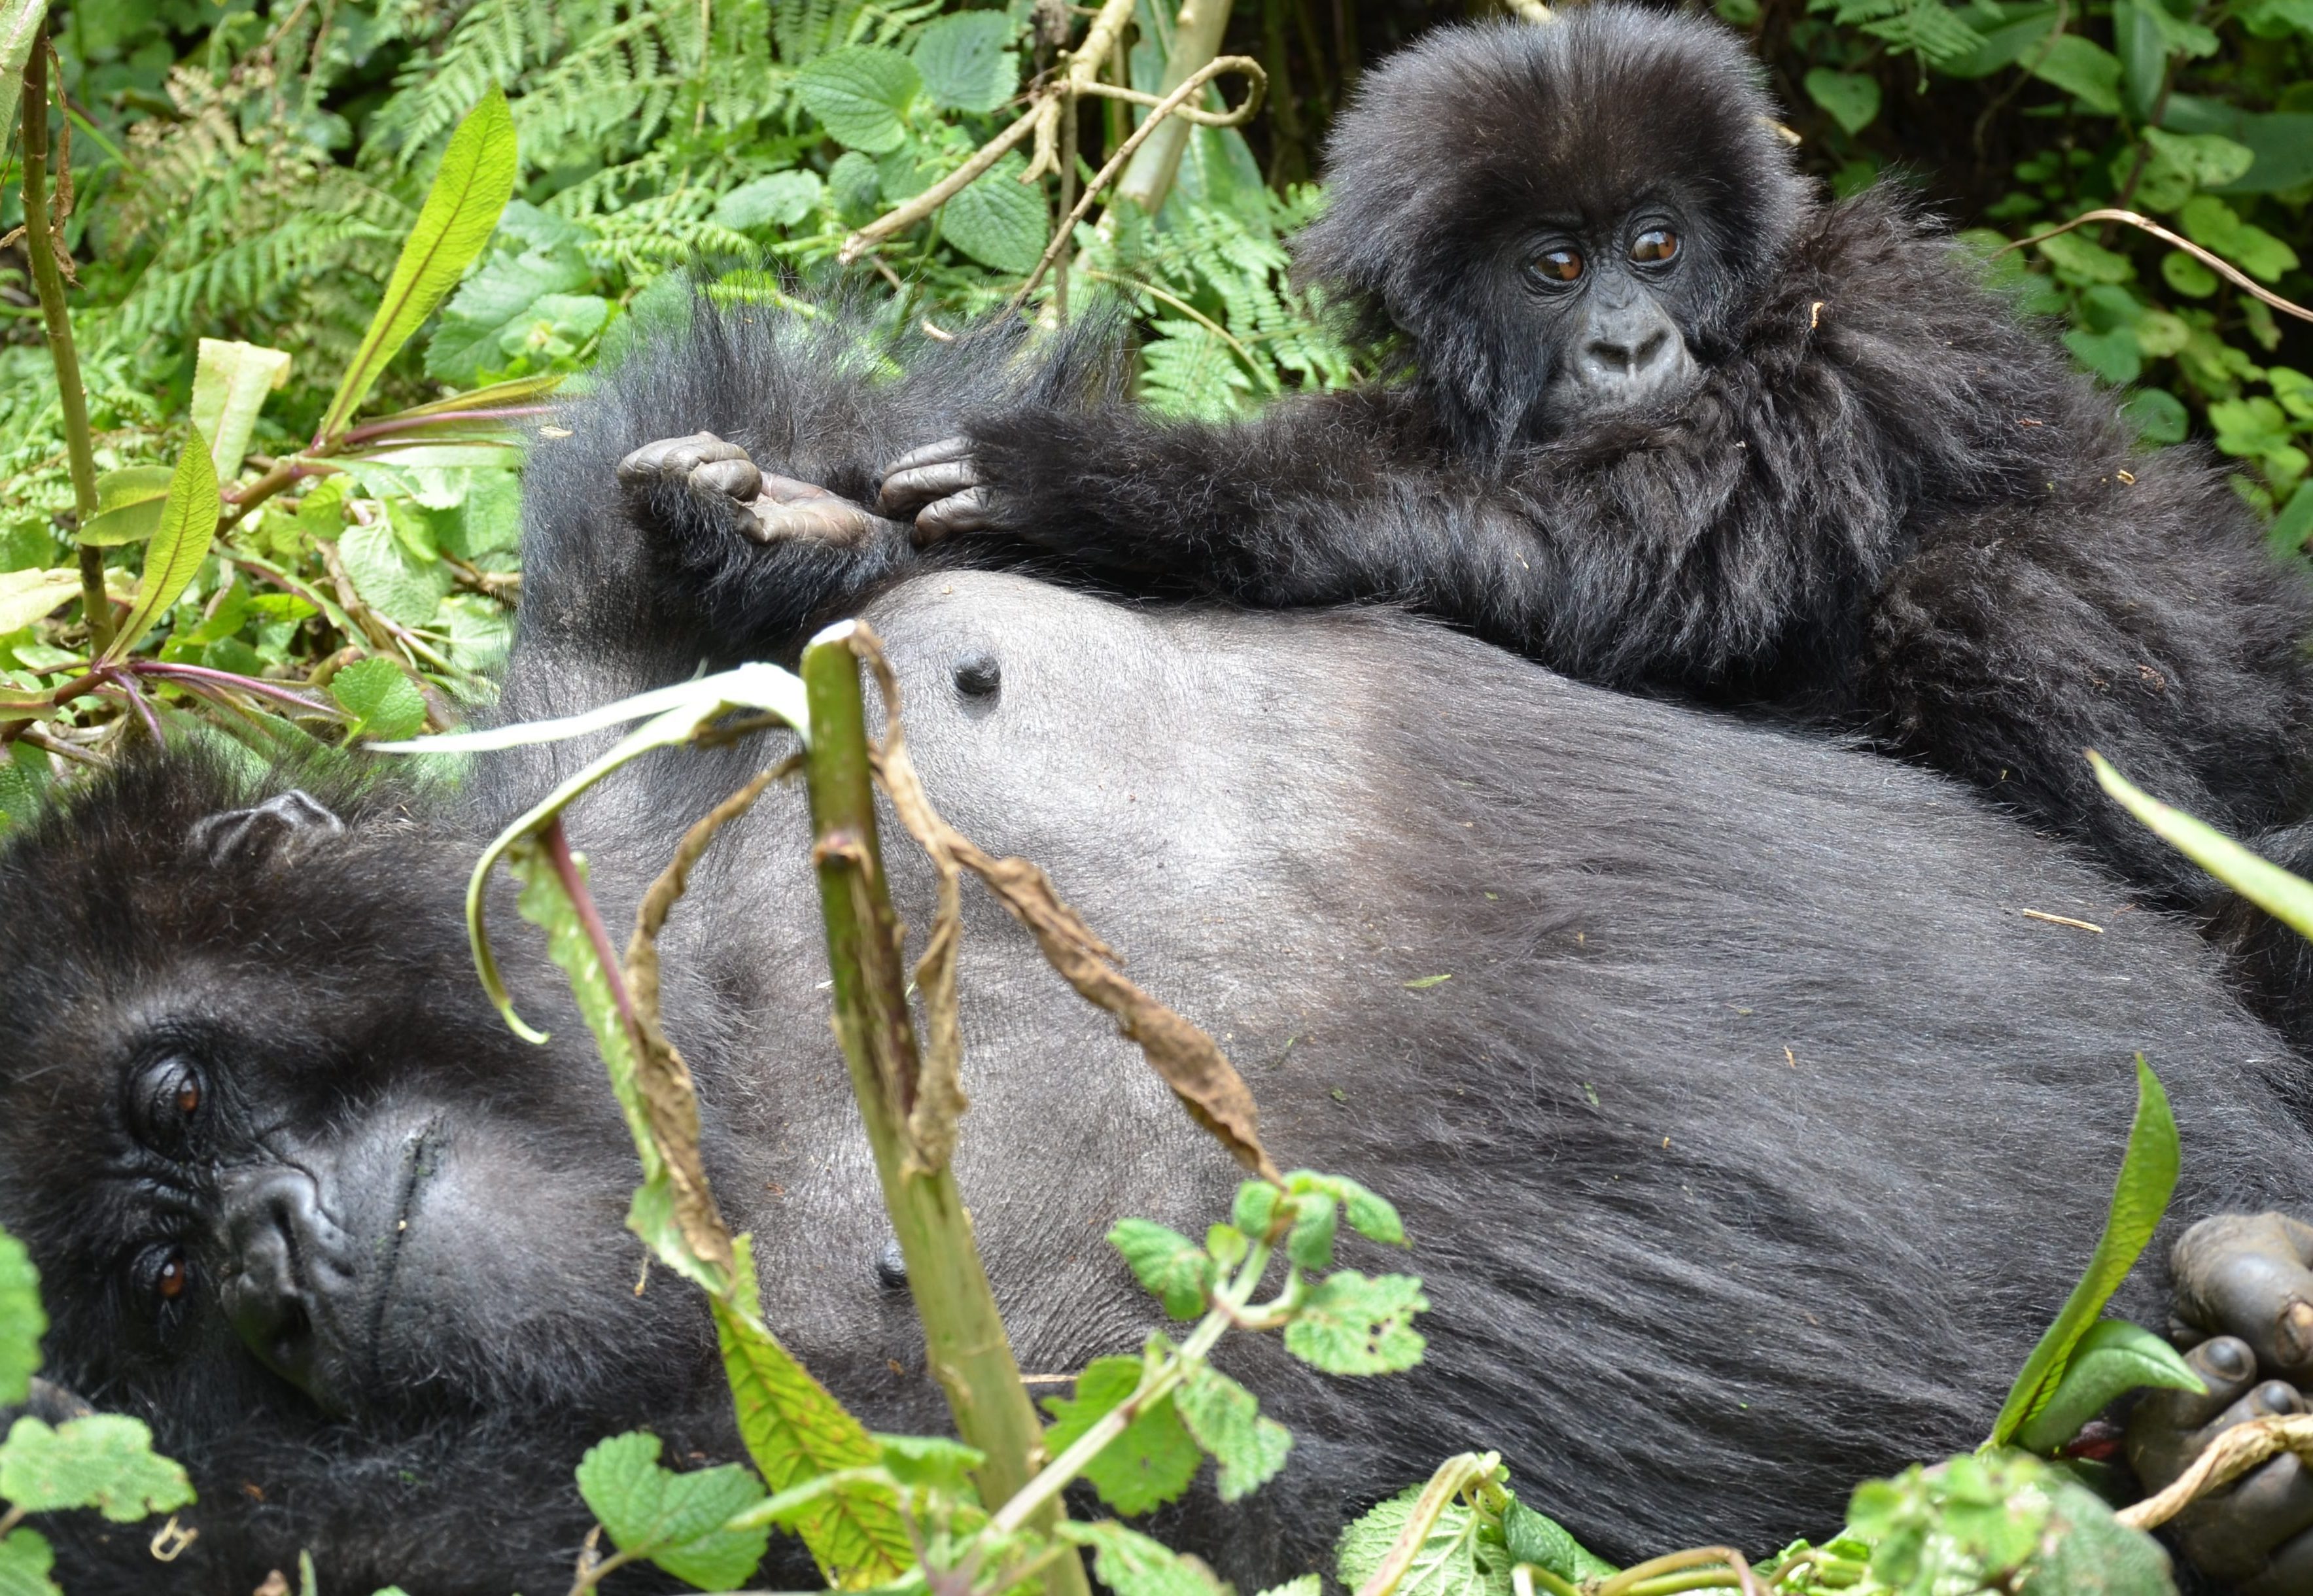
{"x":965,"y":60}
{"x":1310,"y":1242}
{"x":1851,"y":98}
{"x":1371,"y":1214}
{"x":1451,"y":1560}
{"x":2113,"y":1358}
{"x":1130,"y":1564}
{"x":461,"y":211}
{"x":1545,"y":1542}
{"x":998,"y":220}
{"x":383,"y":702}
{"x":858,"y":93}
{"x":1174,"y":1268}
{"x":674,"y":1519}
{"x":1255,"y":1208}
{"x":1353,"y":1325}
{"x":25,"y":1561}
{"x":1226,"y":1421}
{"x":189,"y":521}
{"x":229,"y":383}
{"x":2148,"y":1176}
{"x":1149,"y":1464}
{"x":782,"y":199}
{"x":496,"y":298}
{"x":22,"y":1322}
{"x":105,"y":1462}
{"x":397,"y":586}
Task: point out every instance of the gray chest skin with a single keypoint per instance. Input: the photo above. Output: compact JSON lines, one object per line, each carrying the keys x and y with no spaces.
{"x":1753,"y":1104}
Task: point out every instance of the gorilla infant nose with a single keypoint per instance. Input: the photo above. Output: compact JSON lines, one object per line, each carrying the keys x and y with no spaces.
{"x":286,"y":1274}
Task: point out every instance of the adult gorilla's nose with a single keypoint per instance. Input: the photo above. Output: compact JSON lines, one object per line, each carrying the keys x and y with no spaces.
{"x":288,"y":1277}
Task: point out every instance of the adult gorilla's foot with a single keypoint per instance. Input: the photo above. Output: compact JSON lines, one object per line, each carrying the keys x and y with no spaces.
{"x":721,"y":482}
{"x":2245,"y":1294}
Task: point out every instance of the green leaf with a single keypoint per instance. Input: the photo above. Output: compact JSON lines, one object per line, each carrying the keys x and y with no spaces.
{"x":998,"y":220}
{"x":127,"y":506}
{"x":782,"y":199}
{"x":2113,"y":1358}
{"x":933,"y":1462}
{"x":188,"y":525}
{"x":2286,"y":897}
{"x":1545,"y":1543}
{"x":461,"y":211}
{"x":964,"y":60}
{"x":1352,"y":1324}
{"x":105,"y":1462}
{"x":1150,"y":1463}
{"x":674,"y":1519}
{"x":2293,"y":526}
{"x":402,"y":589}
{"x":1308,"y":1585}
{"x":26,"y":596}
{"x":229,"y":383}
{"x":1310,"y":1242}
{"x":2212,"y":223}
{"x":25,"y":1561}
{"x":22,"y":1322}
{"x":859,"y":94}
{"x":1130,"y":1564}
{"x":496,"y":298}
{"x":2148,"y":1176}
{"x":2186,"y":274}
{"x":1174,"y":1269}
{"x":1256,"y":1209}
{"x":2157,"y":416}
{"x":2082,"y":261}
{"x":2086,"y":71}
{"x":1851,"y":99}
{"x":1226,"y":1421}
{"x":1455,"y":1557}
{"x":383,"y":701}
{"x":2112,"y":355}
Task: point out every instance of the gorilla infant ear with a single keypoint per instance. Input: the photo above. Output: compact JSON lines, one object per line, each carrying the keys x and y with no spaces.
{"x":281,"y":829}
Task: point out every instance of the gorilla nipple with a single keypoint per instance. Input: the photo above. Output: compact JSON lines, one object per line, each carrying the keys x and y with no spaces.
{"x":891,"y":1266}
{"x":980,"y":675}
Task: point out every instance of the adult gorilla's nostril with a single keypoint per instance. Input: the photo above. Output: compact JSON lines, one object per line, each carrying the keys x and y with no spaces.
{"x":283,"y":1262}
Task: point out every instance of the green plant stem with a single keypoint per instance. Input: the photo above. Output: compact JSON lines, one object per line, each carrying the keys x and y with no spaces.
{"x":965,"y":1341}
{"x":1196,"y":40}
{"x":50,"y":284}
{"x":1525,"y":1576}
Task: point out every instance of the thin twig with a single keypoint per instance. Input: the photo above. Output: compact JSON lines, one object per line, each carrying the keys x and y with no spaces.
{"x":2230,"y":1455}
{"x":2214,"y":262}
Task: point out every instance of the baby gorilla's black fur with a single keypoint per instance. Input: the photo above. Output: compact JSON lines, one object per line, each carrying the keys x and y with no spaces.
{"x":1878,"y":499}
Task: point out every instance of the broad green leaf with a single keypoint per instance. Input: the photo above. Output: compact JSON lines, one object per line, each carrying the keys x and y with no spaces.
{"x":1151,"y":1464}
{"x":858,"y":94}
{"x":20,"y":25}
{"x":1310,"y":1242}
{"x":127,"y":506}
{"x":26,"y":596}
{"x":2157,"y":416}
{"x":22,"y":1322}
{"x":674,"y":1519}
{"x":2112,"y":355}
{"x":932,"y":1461}
{"x":460,"y":214}
{"x":489,"y":303}
{"x":2083,"y":261}
{"x":1851,"y":99}
{"x":188,"y":526}
{"x":998,"y":220}
{"x":965,"y":60}
{"x":556,"y":325}
{"x":2113,"y":1358}
{"x":1226,"y":1421}
{"x":25,"y":1561}
{"x":380,"y":697}
{"x":2286,"y":897}
{"x":1454,"y":1558}
{"x":2086,"y":71}
{"x":1545,"y":1543}
{"x":1255,"y":1208}
{"x":1371,"y":1214}
{"x":2212,"y":223}
{"x":395,"y":583}
{"x":105,"y":1462}
{"x":1353,"y":1325}
{"x":229,"y":383}
{"x":2148,"y":1176}
{"x":1174,"y":1269}
{"x":2293,"y":526}
{"x":1130,"y":1564}
{"x":782,"y":199}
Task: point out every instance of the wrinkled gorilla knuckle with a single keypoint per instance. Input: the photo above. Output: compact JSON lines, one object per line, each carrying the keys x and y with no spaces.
{"x":2246,"y":1275}
{"x":676,"y":457}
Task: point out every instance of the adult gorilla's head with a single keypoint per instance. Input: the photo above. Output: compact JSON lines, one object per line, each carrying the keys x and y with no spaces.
{"x":1563,"y":219}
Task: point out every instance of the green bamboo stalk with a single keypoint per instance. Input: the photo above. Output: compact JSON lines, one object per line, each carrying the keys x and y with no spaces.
{"x":50,"y":284}
{"x":1196,"y":40}
{"x":964,"y":1341}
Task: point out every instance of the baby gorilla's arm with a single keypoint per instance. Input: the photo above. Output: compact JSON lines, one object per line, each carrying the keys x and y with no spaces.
{"x":2245,"y":1295}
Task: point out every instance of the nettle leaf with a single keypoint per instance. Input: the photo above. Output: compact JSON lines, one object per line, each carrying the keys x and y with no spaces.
{"x":1255,"y":1208}
{"x":1226,"y":1419}
{"x":1851,"y":99}
{"x":674,"y":1519}
{"x":105,"y":1462}
{"x":1457,"y":1557}
{"x":494,"y":299}
{"x":782,"y":199}
{"x":399,"y":587}
{"x":25,"y":1561}
{"x":1000,"y":221}
{"x":859,"y":94}
{"x":1149,"y":1464}
{"x":1174,"y":1268}
{"x":965,"y":60}
{"x":1310,"y":1242}
{"x":383,"y":702}
{"x":1353,"y":1325}
{"x":22,"y":1322}
{"x":1545,"y":1542}
{"x":1131,"y":1564}
{"x":2113,"y":1358}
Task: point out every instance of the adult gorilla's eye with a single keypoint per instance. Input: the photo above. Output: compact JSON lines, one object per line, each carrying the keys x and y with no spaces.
{"x":1559,"y":265}
{"x":170,"y":1095}
{"x":1654,"y":246}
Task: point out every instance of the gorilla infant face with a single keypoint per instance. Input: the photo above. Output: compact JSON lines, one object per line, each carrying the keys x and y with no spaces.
{"x":1611,"y":304}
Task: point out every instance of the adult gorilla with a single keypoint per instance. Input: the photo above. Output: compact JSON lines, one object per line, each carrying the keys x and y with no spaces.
{"x":1753,"y":1138}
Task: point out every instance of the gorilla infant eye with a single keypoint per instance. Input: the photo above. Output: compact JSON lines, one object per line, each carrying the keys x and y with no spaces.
{"x":1559,"y":265}
{"x":172,"y":1276}
{"x":1655,"y":245}
{"x":168,"y":1099}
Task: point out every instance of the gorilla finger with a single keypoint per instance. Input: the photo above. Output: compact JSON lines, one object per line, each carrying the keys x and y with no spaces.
{"x":2169,"y":1428}
{"x":791,"y":491}
{"x":827,"y":520}
{"x":970,"y":510}
{"x":945,"y":450}
{"x":676,"y":457}
{"x":2289,"y":1573}
{"x":2231,"y":1536}
{"x":732,"y":478}
{"x":2245,"y":1275}
{"x":910,"y":488}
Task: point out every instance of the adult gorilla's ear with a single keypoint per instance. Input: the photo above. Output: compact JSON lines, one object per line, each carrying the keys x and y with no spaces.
{"x":275,"y":831}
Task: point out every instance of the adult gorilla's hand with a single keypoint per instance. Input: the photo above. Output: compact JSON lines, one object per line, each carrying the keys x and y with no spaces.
{"x":757,"y":504}
{"x":2243,"y":1283}
{"x":942,"y":487}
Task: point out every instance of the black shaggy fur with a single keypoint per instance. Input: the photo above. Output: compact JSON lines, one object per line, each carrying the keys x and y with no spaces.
{"x":1752,"y":1140}
{"x":1888,"y":503}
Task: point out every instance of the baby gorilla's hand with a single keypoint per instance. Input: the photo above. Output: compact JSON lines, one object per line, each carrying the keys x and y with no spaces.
{"x":2245,"y":1293}
{"x":721,"y":481}
{"x":940,"y":485}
